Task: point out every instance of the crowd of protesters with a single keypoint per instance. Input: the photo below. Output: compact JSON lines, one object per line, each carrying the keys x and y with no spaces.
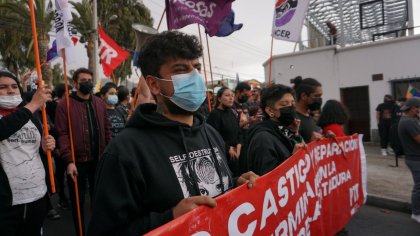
{"x":170,"y":144}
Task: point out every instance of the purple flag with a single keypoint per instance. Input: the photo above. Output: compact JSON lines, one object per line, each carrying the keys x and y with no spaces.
{"x":52,"y":52}
{"x":228,"y":26}
{"x":208,"y":13}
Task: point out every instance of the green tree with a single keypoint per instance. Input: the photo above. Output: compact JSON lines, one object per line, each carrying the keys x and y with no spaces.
{"x":116,"y":17}
{"x":14,"y":42}
{"x":57,"y":74}
{"x":82,"y":21}
{"x":18,"y":15}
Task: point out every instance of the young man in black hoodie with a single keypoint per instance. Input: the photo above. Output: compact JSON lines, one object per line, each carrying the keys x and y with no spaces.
{"x":167,"y":161}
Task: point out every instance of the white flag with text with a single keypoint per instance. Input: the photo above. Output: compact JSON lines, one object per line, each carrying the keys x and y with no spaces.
{"x":63,"y":28}
{"x":288,"y":19}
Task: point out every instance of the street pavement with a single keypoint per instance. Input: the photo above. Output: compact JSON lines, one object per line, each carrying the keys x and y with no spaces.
{"x":375,"y":221}
{"x":387,"y":211}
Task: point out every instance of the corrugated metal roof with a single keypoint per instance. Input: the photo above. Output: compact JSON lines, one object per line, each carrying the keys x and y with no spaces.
{"x":357,"y":21}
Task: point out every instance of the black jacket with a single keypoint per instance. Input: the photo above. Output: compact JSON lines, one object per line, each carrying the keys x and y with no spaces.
{"x":9,"y":125}
{"x":227,"y":124}
{"x":145,"y":172}
{"x":269,"y":145}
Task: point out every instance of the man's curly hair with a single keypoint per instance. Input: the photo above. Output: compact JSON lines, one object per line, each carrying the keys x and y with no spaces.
{"x":161,"y":47}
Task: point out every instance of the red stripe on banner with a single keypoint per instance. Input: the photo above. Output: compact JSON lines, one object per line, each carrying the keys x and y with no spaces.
{"x":315,"y":192}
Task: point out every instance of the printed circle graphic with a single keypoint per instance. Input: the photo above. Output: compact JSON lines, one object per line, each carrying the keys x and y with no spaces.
{"x":285,"y":10}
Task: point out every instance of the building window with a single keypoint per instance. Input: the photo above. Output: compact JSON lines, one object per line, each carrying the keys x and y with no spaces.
{"x":399,"y":87}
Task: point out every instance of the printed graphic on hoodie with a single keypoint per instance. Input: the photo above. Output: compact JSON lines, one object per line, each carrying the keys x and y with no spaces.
{"x":203,"y":172}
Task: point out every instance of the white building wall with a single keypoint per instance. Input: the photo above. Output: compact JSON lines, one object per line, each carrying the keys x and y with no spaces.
{"x":352,"y":66}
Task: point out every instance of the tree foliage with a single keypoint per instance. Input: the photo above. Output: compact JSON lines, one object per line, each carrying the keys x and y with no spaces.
{"x":116,"y":17}
{"x":16,"y":44}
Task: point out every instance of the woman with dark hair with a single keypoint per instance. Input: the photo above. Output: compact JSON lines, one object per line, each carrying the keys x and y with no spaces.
{"x":272,"y":141}
{"x":226,"y":121}
{"x":115,"y":116}
{"x":333,"y":116}
{"x":308,"y":95}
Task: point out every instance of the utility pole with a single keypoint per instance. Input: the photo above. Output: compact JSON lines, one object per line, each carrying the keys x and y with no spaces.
{"x":410,"y":17}
{"x":95,"y":39}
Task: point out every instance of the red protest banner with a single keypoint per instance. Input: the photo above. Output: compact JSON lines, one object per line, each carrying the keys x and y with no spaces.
{"x":110,"y":53}
{"x":315,"y":192}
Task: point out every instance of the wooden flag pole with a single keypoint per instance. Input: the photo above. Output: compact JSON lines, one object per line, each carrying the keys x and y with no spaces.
{"x":40,"y":86}
{"x":211,"y":71}
{"x":271,"y":63}
{"x":205,"y":72}
{"x":76,"y":186}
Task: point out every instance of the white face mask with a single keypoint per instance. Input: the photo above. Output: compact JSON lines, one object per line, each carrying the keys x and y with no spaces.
{"x":10,"y":102}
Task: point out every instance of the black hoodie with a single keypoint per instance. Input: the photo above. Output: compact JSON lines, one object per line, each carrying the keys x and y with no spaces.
{"x":145,"y":172}
{"x":269,"y":144}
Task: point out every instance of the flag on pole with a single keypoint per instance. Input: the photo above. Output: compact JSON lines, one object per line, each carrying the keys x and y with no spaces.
{"x":412,"y":92}
{"x":288,"y":19}
{"x":227,"y":26}
{"x":111,"y":55}
{"x":208,"y":13}
{"x":52,"y":52}
{"x":63,"y":28}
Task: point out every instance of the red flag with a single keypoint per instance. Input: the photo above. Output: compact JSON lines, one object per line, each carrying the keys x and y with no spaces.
{"x":111,"y":55}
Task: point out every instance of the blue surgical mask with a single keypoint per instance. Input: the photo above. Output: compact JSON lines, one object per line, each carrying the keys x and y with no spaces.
{"x":189,"y":90}
{"x":112,"y":100}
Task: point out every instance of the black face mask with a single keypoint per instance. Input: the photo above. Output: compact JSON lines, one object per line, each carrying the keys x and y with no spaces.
{"x":243,"y":99}
{"x":86,"y":87}
{"x":316,"y":104}
{"x":287,"y":115}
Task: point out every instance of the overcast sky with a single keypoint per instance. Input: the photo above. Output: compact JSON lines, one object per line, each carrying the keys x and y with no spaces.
{"x":244,"y":51}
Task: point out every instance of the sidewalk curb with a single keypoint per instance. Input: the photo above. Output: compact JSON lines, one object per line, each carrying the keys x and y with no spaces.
{"x":388,"y":203}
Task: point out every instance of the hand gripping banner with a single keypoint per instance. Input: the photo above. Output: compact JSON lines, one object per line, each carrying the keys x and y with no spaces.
{"x":315,"y":192}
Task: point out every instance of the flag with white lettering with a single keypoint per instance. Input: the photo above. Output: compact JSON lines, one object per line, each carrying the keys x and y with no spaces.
{"x":208,"y":13}
{"x":111,"y":55}
{"x":62,"y":25}
{"x":288,"y":19}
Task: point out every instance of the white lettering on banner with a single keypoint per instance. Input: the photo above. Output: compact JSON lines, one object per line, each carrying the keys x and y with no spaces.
{"x":282,"y":229}
{"x":288,"y":226}
{"x":108,"y":53}
{"x":269,"y":207}
{"x":186,"y":18}
{"x":201,"y":233}
{"x":198,"y":7}
{"x":321,"y":152}
{"x":245,"y":208}
{"x":303,"y":187}
{"x":354,"y":194}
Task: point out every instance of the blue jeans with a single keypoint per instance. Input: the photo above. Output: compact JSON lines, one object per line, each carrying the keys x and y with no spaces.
{"x":414,"y":167}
